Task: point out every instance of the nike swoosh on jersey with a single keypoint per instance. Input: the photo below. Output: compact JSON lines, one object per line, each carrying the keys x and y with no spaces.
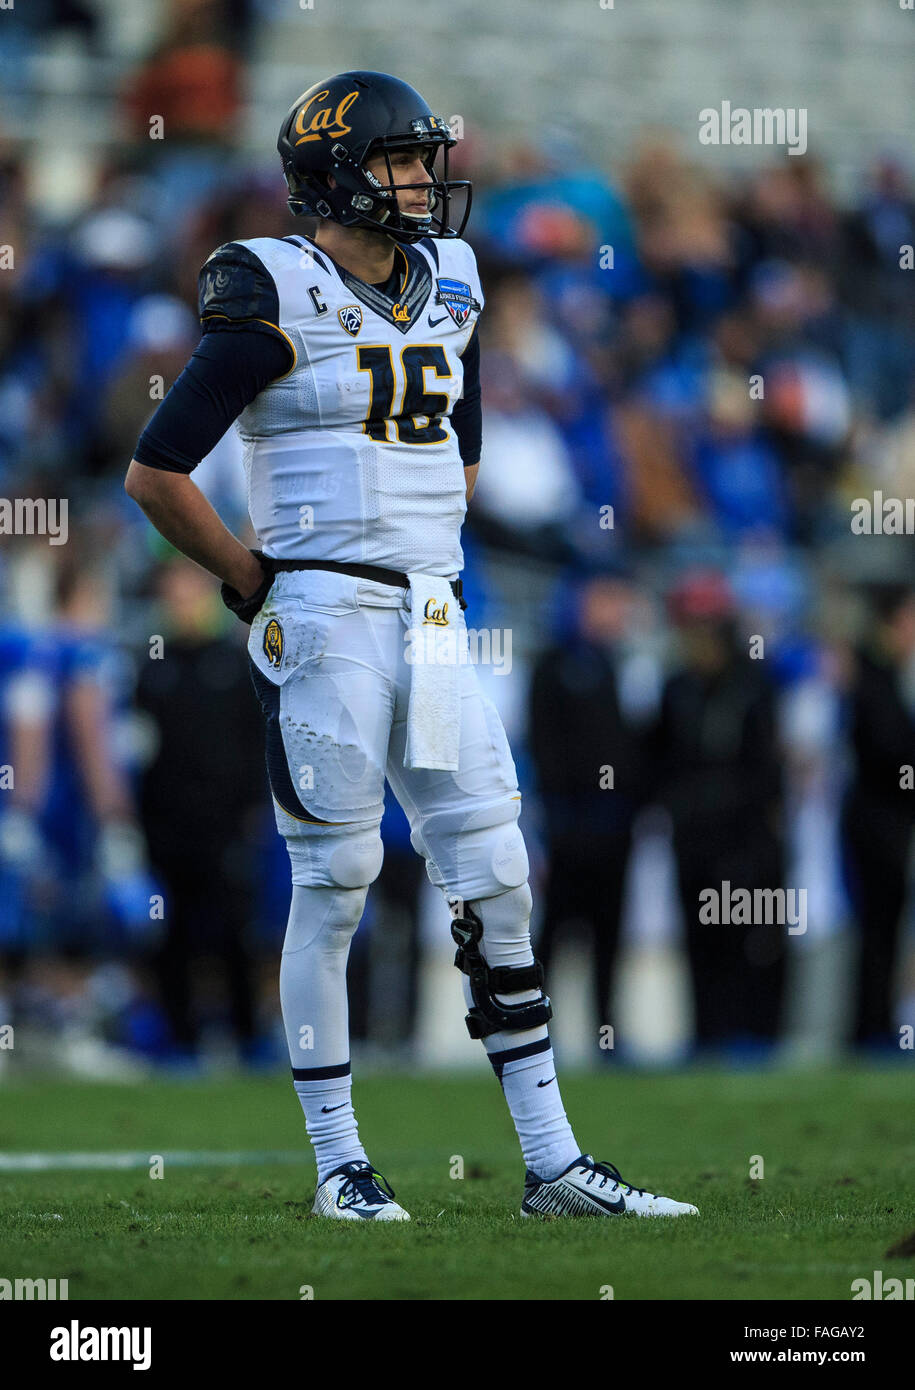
{"x":434,"y":323}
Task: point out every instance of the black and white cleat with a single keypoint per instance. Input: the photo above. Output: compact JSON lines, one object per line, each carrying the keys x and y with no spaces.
{"x":355,"y":1192}
{"x":587,"y":1188}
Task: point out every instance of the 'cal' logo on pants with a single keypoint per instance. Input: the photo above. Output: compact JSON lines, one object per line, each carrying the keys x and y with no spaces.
{"x":273,"y":643}
{"x":438,"y":616}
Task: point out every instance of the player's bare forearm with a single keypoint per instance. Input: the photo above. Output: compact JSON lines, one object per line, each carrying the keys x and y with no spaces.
{"x":180,"y":512}
{"x":470,"y":478}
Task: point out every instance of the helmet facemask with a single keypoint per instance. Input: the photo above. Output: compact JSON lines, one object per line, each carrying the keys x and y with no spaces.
{"x":363,"y":199}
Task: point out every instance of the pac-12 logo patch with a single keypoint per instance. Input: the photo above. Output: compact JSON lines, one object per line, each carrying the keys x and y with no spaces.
{"x":457,"y":299}
{"x":274,"y":643}
{"x":350,"y":318}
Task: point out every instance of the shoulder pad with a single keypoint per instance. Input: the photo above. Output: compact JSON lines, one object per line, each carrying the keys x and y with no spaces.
{"x":305,"y":251}
{"x":235,"y":284}
{"x":457,"y":260}
{"x":428,"y":243}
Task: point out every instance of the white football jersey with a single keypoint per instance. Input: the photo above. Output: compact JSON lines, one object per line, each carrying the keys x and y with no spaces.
{"x":351,"y":455}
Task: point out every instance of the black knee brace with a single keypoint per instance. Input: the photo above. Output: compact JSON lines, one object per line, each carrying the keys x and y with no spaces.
{"x":488,"y":1015}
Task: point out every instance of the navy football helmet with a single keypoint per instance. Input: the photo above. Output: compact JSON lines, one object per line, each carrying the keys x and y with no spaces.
{"x":337,"y":126}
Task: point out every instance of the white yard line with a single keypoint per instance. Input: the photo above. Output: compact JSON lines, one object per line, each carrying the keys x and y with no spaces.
{"x":179,"y":1158}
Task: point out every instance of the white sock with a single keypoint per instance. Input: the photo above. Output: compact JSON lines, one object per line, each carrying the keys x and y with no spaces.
{"x":315,"y":1014}
{"x":532,"y":1090}
{"x":522,"y":1059}
{"x":331,"y":1122}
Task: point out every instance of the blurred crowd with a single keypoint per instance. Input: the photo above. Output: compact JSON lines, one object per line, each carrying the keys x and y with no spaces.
{"x":688,"y":380}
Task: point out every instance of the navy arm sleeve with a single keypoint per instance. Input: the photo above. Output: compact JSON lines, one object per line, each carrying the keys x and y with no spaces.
{"x":467,"y":415}
{"x":224,"y":375}
{"x":242,"y":351}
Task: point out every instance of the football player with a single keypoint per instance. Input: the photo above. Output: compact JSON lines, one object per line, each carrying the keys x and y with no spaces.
{"x":348,"y":358}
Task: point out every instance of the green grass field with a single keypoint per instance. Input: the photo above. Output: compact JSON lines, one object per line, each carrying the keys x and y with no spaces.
{"x":838,"y":1148}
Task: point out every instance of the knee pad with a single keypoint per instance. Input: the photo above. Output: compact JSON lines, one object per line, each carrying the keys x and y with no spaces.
{"x":494,"y":952}
{"x":479,"y":855}
{"x":356,"y":861}
{"x":336,"y":856}
{"x":506,"y":922}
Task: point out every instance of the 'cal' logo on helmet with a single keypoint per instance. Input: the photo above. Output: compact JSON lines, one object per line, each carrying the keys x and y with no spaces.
{"x":350,"y":318}
{"x":436,"y":616}
{"x":324,"y":120}
{"x":273,"y":643}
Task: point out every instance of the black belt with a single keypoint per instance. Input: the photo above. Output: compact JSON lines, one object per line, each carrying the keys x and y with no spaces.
{"x":376,"y":572}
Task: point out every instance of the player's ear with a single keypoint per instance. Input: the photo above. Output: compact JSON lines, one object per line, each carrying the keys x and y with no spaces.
{"x":331,"y":181}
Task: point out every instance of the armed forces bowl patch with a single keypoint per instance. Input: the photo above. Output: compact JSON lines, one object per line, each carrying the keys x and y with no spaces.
{"x":274,"y":643}
{"x":350,"y":318}
{"x":457,"y":299}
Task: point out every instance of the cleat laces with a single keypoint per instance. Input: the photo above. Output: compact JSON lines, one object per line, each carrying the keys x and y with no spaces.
{"x":608,"y":1172}
{"x":365,"y":1183}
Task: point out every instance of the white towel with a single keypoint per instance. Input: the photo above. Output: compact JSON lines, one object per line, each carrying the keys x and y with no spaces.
{"x":437,"y":639}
